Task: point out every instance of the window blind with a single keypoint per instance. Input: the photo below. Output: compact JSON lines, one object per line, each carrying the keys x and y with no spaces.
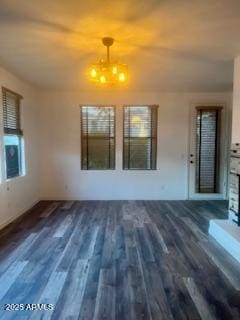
{"x":11,"y":112}
{"x":140,"y":137}
{"x":207,"y":149}
{"x":98,"y":137}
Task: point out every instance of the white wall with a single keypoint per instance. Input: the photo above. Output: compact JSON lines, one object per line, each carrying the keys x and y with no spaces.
{"x":61,"y":177}
{"x":236,"y":103}
{"x":19,"y":194}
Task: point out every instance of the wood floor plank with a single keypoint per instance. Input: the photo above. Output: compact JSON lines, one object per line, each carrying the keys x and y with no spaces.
{"x":71,"y":299}
{"x":9,"y":277}
{"x":157,"y":238}
{"x":51,"y":295}
{"x":199,"y":300}
{"x":63,"y":226}
{"x":122,"y":289}
{"x":158,"y":304}
{"x":67,"y":205}
{"x":17,"y":253}
{"x":105,"y":300}
{"x":144,"y":247}
{"x":49,"y":210}
{"x":90,"y":294}
{"x":201,"y":236}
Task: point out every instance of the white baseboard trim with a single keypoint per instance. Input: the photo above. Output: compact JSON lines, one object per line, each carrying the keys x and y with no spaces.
{"x":66,"y":198}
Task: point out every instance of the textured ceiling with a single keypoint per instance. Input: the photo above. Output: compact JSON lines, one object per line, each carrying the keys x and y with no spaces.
{"x":170,"y":45}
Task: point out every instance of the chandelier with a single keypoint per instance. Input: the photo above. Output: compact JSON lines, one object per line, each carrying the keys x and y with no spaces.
{"x":107,"y":72}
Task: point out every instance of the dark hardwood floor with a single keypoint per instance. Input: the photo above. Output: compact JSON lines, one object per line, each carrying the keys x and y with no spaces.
{"x":118,"y":260}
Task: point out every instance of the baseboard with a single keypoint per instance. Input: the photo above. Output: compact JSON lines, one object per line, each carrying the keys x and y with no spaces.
{"x":66,"y":198}
{"x":19,"y":215}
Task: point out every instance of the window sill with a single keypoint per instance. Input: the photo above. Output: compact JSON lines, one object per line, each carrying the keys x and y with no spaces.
{"x":15,"y":178}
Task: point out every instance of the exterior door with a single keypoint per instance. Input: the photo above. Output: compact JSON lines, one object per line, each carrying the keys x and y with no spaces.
{"x":207,"y":153}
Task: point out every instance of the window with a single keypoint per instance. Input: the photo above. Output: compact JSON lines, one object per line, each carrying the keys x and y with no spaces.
{"x":98,"y":137}
{"x":140,"y":137}
{"x":208,"y":149}
{"x":12,"y":133}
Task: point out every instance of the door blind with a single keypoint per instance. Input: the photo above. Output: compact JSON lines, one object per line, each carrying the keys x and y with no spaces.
{"x":98,"y":137}
{"x":11,"y":112}
{"x":140,"y":137}
{"x":207,"y":149}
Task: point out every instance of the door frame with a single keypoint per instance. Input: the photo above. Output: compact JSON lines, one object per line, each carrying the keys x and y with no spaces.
{"x":224,"y":142}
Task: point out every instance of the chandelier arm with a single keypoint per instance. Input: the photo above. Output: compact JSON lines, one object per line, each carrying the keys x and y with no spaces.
{"x":108,"y":54}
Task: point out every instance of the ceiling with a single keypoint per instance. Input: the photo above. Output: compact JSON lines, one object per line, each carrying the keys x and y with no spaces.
{"x":169,"y":45}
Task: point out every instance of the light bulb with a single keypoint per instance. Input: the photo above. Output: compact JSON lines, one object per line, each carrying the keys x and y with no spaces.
{"x":121,"y":77}
{"x":93,"y":73}
{"x":114,"y":70}
{"x":103,"y":79}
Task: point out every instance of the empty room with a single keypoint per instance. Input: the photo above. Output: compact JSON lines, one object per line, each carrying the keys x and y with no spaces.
{"x":120,"y":160}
